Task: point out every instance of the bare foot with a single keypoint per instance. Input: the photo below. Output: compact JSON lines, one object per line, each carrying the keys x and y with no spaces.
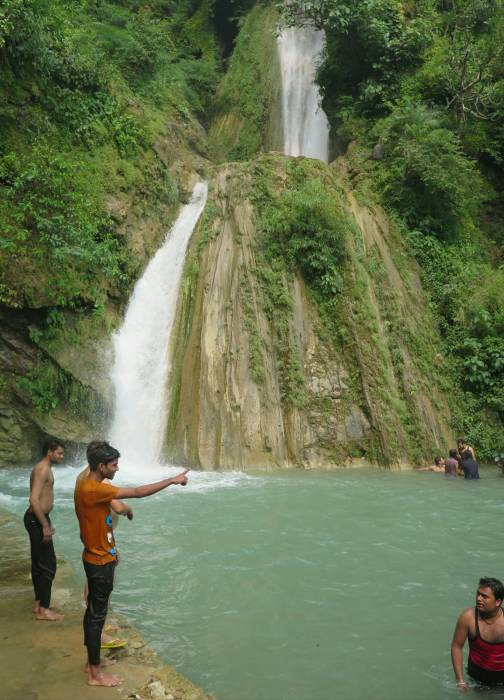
{"x":97,"y":677}
{"x":36,"y":607}
{"x":48,"y":614}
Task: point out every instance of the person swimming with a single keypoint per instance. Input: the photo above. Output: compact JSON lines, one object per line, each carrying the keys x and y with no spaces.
{"x":438,"y":466}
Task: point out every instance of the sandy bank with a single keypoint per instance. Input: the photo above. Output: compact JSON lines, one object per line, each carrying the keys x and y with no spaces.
{"x":45,"y":660}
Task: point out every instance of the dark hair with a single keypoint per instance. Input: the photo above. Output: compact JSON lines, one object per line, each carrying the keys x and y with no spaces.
{"x":453,"y":453}
{"x":494,"y":585}
{"x":437,"y":460}
{"x":102,"y":454}
{"x":461,"y":440}
{"x":466,"y":454}
{"x":93,"y":445}
{"x":50,"y":444}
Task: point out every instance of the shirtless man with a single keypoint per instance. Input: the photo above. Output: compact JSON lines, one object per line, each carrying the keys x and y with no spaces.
{"x":38,"y":524}
{"x":92,"y":506}
{"x":452,"y":464}
{"x":484,"y":627}
{"x":438,"y":466}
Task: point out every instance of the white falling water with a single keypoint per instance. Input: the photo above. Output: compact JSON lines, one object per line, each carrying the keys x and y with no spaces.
{"x":305,"y":125}
{"x":142,"y":364}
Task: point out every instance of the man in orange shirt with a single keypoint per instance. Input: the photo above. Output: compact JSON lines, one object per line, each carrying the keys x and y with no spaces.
{"x":92,"y":506}
{"x":116,"y":508}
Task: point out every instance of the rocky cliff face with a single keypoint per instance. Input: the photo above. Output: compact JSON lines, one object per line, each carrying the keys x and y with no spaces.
{"x":368,"y":400}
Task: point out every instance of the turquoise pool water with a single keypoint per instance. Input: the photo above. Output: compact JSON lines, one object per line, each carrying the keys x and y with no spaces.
{"x":299,"y":586}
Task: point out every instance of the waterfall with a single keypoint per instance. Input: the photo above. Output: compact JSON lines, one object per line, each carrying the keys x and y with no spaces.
{"x":305,"y":125}
{"x":141,"y":362}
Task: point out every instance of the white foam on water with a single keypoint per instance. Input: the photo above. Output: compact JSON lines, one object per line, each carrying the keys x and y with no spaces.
{"x":305,"y":124}
{"x":65,"y":477}
{"x":134,"y":474}
{"x":6,"y":499}
{"x":141,"y":359}
{"x":137,"y":474}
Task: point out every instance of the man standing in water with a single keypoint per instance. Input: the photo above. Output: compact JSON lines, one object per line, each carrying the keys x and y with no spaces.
{"x":92,"y":506}
{"x":462,"y":446}
{"x":451,"y":463}
{"x":38,"y":525}
{"x":484,"y":626}
{"x":469,"y":465}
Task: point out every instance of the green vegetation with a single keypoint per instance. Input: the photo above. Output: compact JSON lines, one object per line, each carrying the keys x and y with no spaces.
{"x":245,"y":98}
{"x":303,"y":228}
{"x":48,"y":387}
{"x":100,"y":98}
{"x":88,"y":92}
{"x":306,"y":228}
{"x":422,"y":82}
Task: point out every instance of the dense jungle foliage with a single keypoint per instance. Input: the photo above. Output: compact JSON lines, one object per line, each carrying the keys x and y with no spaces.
{"x":422,"y":84}
{"x":85,"y":88}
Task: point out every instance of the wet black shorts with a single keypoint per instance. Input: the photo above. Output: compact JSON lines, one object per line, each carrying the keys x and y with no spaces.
{"x":484,"y":676}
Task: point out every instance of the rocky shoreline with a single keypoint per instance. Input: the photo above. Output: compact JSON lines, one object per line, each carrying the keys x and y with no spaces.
{"x":45,"y":661}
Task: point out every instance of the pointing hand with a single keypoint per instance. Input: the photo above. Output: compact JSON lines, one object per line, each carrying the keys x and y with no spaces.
{"x":181,"y":479}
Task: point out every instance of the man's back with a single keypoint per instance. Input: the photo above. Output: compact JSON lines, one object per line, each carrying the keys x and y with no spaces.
{"x":470,"y":468}
{"x":451,"y":465}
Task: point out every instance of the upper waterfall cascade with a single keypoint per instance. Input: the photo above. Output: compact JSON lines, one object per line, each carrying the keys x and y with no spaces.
{"x":141,"y":346}
{"x":305,"y":125}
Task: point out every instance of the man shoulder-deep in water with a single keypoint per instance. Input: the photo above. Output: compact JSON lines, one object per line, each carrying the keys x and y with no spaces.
{"x":438,"y":466}
{"x":483,"y":626}
{"x":37,"y":522}
{"x":92,"y":506}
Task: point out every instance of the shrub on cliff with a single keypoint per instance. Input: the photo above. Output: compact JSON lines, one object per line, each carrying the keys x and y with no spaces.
{"x":307,"y":228}
{"x":424,"y":173}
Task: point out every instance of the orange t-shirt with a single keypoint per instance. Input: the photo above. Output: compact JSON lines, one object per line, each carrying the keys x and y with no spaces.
{"x":92,"y":505}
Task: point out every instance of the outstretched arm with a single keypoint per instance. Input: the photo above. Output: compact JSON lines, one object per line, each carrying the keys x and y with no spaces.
{"x":151,"y":489}
{"x":457,"y":655}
